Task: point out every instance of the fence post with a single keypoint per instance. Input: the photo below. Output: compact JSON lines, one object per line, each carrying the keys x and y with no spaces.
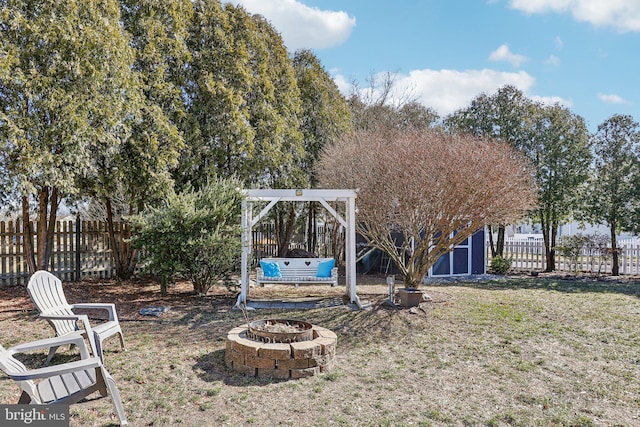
{"x":78,"y":264}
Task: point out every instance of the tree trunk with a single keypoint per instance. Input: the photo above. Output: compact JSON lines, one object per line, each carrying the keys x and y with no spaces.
{"x":27,"y":236}
{"x":123,"y":255}
{"x":39,"y":255}
{"x":120,"y":248}
{"x":545,"y":224}
{"x":491,"y":244}
{"x":615,"y":267}
{"x":312,"y":228}
{"x":41,"y":232}
{"x":551,"y":260}
{"x":54,"y":201}
{"x":500,"y":242}
{"x":284,"y":229}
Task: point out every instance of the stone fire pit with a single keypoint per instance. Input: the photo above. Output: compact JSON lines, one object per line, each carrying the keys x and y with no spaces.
{"x":280,"y":348}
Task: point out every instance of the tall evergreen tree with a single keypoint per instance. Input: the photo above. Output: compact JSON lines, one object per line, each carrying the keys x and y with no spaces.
{"x":325,"y":118}
{"x":139,"y":170}
{"x":559,"y":149}
{"x":274,"y":110}
{"x":613,"y":198}
{"x":64,"y":87}
{"x":218,"y":135}
{"x":503,"y":116}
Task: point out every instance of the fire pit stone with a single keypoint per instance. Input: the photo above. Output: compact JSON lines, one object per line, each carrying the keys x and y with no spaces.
{"x":247,"y":354}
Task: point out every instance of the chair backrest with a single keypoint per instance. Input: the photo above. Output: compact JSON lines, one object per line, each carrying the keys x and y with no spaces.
{"x":47,"y":294}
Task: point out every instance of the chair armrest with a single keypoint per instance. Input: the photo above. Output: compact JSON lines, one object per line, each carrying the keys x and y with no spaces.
{"x":110,"y":308}
{"x":51,"y":371}
{"x":75,"y":339}
{"x":85,"y":322}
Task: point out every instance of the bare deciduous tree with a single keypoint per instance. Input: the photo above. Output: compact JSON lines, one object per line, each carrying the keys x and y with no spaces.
{"x":433,"y":188}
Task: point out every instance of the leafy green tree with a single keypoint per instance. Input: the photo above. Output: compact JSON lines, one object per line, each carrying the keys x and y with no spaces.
{"x":325,"y":118}
{"x":559,"y":149}
{"x":325,"y":115}
{"x":613,"y":197}
{"x":196,"y":235}
{"x":218,"y":135}
{"x":243,"y":103}
{"x":275,"y":111}
{"x":65,"y":82}
{"x":503,"y":116}
{"x":139,"y":170}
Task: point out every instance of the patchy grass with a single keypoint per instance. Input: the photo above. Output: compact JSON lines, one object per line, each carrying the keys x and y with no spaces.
{"x":516,"y":352}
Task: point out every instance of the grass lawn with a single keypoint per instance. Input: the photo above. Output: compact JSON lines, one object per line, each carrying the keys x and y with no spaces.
{"x":521,"y":351}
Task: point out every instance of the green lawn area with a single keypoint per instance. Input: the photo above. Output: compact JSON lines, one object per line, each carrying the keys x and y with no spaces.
{"x":521,"y":351}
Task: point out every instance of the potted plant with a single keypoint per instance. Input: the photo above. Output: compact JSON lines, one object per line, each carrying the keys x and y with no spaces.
{"x":410,"y":297}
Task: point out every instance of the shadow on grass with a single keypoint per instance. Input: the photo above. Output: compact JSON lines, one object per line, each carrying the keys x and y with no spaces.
{"x":566,"y":284}
{"x":211,"y":368}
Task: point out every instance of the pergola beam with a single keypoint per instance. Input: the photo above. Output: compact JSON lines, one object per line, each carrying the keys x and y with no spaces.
{"x":300,"y":195}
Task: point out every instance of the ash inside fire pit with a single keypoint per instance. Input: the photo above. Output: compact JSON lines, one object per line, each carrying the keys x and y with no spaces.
{"x":280,"y":331}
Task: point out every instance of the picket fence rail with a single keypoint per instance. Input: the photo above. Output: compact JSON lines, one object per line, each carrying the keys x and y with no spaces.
{"x":82,"y":249}
{"x":529,"y":255}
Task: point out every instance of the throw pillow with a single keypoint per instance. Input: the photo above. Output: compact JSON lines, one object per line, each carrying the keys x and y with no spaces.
{"x":325,"y":267}
{"x":270,"y":269}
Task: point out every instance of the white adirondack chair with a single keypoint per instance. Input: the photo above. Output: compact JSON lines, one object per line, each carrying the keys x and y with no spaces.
{"x":64,"y":383}
{"x":47,"y":294}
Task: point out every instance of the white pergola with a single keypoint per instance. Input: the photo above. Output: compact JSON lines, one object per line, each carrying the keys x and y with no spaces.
{"x":297,"y":195}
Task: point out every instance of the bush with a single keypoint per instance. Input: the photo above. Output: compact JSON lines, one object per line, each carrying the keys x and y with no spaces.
{"x":571,"y":247}
{"x":500,"y":265}
{"x":196,"y":235}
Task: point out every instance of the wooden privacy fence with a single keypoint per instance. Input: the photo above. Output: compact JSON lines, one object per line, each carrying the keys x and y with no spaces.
{"x":81,"y":249}
{"x":530,"y":255}
{"x":265,"y":244}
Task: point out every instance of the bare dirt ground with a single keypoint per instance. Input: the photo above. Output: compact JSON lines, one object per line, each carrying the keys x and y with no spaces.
{"x":516,"y":351}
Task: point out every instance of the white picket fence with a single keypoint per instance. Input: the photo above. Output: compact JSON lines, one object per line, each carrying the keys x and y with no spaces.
{"x":529,"y":255}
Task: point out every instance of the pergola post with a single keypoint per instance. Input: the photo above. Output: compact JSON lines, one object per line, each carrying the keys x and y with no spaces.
{"x":308,"y":195}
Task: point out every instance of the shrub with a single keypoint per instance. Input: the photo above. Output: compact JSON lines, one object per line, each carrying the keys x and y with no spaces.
{"x":571,"y":247}
{"x":196,"y":235}
{"x":500,"y":265}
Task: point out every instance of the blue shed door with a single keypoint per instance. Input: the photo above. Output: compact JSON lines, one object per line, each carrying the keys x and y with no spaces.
{"x":466,"y":258}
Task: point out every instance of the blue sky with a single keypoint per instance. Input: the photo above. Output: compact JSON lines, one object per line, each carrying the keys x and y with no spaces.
{"x":583,"y":54}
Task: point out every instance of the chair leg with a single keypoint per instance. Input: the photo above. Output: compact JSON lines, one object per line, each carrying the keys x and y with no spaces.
{"x":52,"y":351}
{"x":115,"y":396}
{"x":24,"y":398}
{"x":98,"y":342}
{"x":121,"y":336}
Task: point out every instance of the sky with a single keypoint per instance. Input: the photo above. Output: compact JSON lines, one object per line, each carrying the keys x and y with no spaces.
{"x":583,"y":54}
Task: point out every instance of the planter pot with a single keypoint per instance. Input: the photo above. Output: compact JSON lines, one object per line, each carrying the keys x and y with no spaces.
{"x":410,"y":297}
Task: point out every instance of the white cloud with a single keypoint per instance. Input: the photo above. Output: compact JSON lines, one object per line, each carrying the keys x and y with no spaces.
{"x":553,"y":60}
{"x":302,"y":26}
{"x":623,"y":15}
{"x":449,"y":90}
{"x":552,"y":100}
{"x":611,"y":99}
{"x":344,"y":85}
{"x":503,"y":53}
{"x":558,"y":42}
